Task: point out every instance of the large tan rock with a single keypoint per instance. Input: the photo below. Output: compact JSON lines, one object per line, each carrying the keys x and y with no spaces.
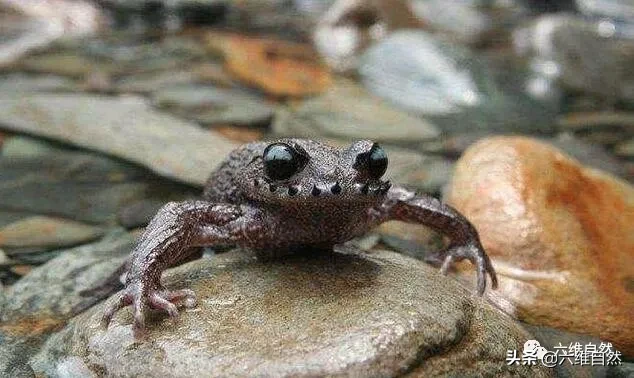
{"x":347,"y":314}
{"x":561,"y":236}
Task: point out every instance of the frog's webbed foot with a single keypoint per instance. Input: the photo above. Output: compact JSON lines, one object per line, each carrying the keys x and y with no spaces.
{"x":143,"y":298}
{"x":472,"y":252}
{"x":176,"y":231}
{"x":406,"y":206}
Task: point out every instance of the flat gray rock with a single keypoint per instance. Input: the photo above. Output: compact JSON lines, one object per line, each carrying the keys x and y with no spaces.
{"x":151,"y":82}
{"x":11,"y":84}
{"x":211,"y":105}
{"x":619,"y":9}
{"x":42,"y":301}
{"x":47,"y":232}
{"x":42,"y":179}
{"x":347,"y":111}
{"x":448,"y":85}
{"x":418,"y":171}
{"x":124,"y":127}
{"x":347,"y":314}
{"x":52,"y":290}
{"x":585,"y":55}
{"x":625,"y":149}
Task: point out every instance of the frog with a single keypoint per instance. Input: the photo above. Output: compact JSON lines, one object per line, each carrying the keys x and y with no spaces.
{"x":279,"y":197}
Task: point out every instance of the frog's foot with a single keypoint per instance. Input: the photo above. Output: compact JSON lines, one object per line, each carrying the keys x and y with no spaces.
{"x":472,"y":252}
{"x":142,"y":298}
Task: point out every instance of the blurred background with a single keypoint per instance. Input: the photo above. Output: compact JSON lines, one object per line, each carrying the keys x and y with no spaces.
{"x":520,"y":113}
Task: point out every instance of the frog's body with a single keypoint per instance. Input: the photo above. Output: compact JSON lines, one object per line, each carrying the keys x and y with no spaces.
{"x":283,"y":196}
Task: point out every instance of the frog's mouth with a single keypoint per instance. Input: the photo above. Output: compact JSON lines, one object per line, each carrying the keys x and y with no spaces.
{"x":360,"y":191}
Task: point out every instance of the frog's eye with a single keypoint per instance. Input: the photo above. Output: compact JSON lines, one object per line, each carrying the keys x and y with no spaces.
{"x":374,"y":161}
{"x":282,"y":161}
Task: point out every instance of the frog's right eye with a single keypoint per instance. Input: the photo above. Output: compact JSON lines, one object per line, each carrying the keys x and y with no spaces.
{"x":282,"y":161}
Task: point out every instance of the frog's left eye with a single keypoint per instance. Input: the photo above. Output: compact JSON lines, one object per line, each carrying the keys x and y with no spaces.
{"x":282,"y":161}
{"x":373,"y":161}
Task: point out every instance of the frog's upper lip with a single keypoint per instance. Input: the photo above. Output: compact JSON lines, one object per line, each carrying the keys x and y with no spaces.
{"x":333,"y":190}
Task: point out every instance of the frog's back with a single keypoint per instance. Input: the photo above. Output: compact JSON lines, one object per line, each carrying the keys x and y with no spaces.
{"x":221,"y":185}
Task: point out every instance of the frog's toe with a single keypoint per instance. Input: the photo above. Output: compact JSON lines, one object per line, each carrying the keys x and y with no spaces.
{"x":187,"y":296}
{"x":123,"y":299}
{"x":167,"y":300}
{"x":158,"y":302}
{"x":477,"y":256}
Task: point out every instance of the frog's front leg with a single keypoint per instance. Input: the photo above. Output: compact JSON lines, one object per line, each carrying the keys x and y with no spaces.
{"x":404,"y":205}
{"x":167,"y":240}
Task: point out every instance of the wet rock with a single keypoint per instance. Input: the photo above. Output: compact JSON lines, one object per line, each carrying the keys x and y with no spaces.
{"x":452,"y":145}
{"x":411,"y":239}
{"x":65,"y":64}
{"x":619,"y":9}
{"x":169,"y":14}
{"x":598,"y":121}
{"x":115,"y":55}
{"x":213,"y":73}
{"x":276,"y":67}
{"x":139,"y":214}
{"x":559,"y":235}
{"x":461,"y":19}
{"x":467,"y":22}
{"x":625,"y":149}
{"x":125,"y":127}
{"x":448,"y":85}
{"x":3,"y":261}
{"x":87,"y":202}
{"x":586,"y":56}
{"x":240,"y":134}
{"x":272,"y":18}
{"x":14,"y":354}
{"x":376,"y":314}
{"x":152,"y":82}
{"x":53,"y":289}
{"x":43,"y":23}
{"x":425,"y":173}
{"x":8,"y":216}
{"x":592,"y":155}
{"x":350,"y":26}
{"x":197,"y":12}
{"x":18,"y":147}
{"x":42,"y":179}
{"x":47,"y":233}
{"x":349,"y":112}
{"x":550,"y":6}
{"x":211,"y":105}
{"x":11,"y":84}
{"x":21,"y":270}
{"x":41,"y":302}
{"x":550,"y":337}
{"x":625,"y":370}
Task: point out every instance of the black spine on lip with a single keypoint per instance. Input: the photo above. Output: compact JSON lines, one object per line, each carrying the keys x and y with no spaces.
{"x":272,"y":188}
{"x":386,"y":187}
{"x":365,"y":188}
{"x":292,"y":190}
{"x":315,"y":192}
{"x":336,"y":189}
{"x":256,"y":182}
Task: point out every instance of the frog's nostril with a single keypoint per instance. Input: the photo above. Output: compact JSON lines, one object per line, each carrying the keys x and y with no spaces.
{"x":315,"y":192}
{"x":292,"y":190}
{"x":272,"y":188}
{"x":336,"y":189}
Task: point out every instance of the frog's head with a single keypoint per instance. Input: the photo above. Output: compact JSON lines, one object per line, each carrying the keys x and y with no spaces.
{"x":305,"y":171}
